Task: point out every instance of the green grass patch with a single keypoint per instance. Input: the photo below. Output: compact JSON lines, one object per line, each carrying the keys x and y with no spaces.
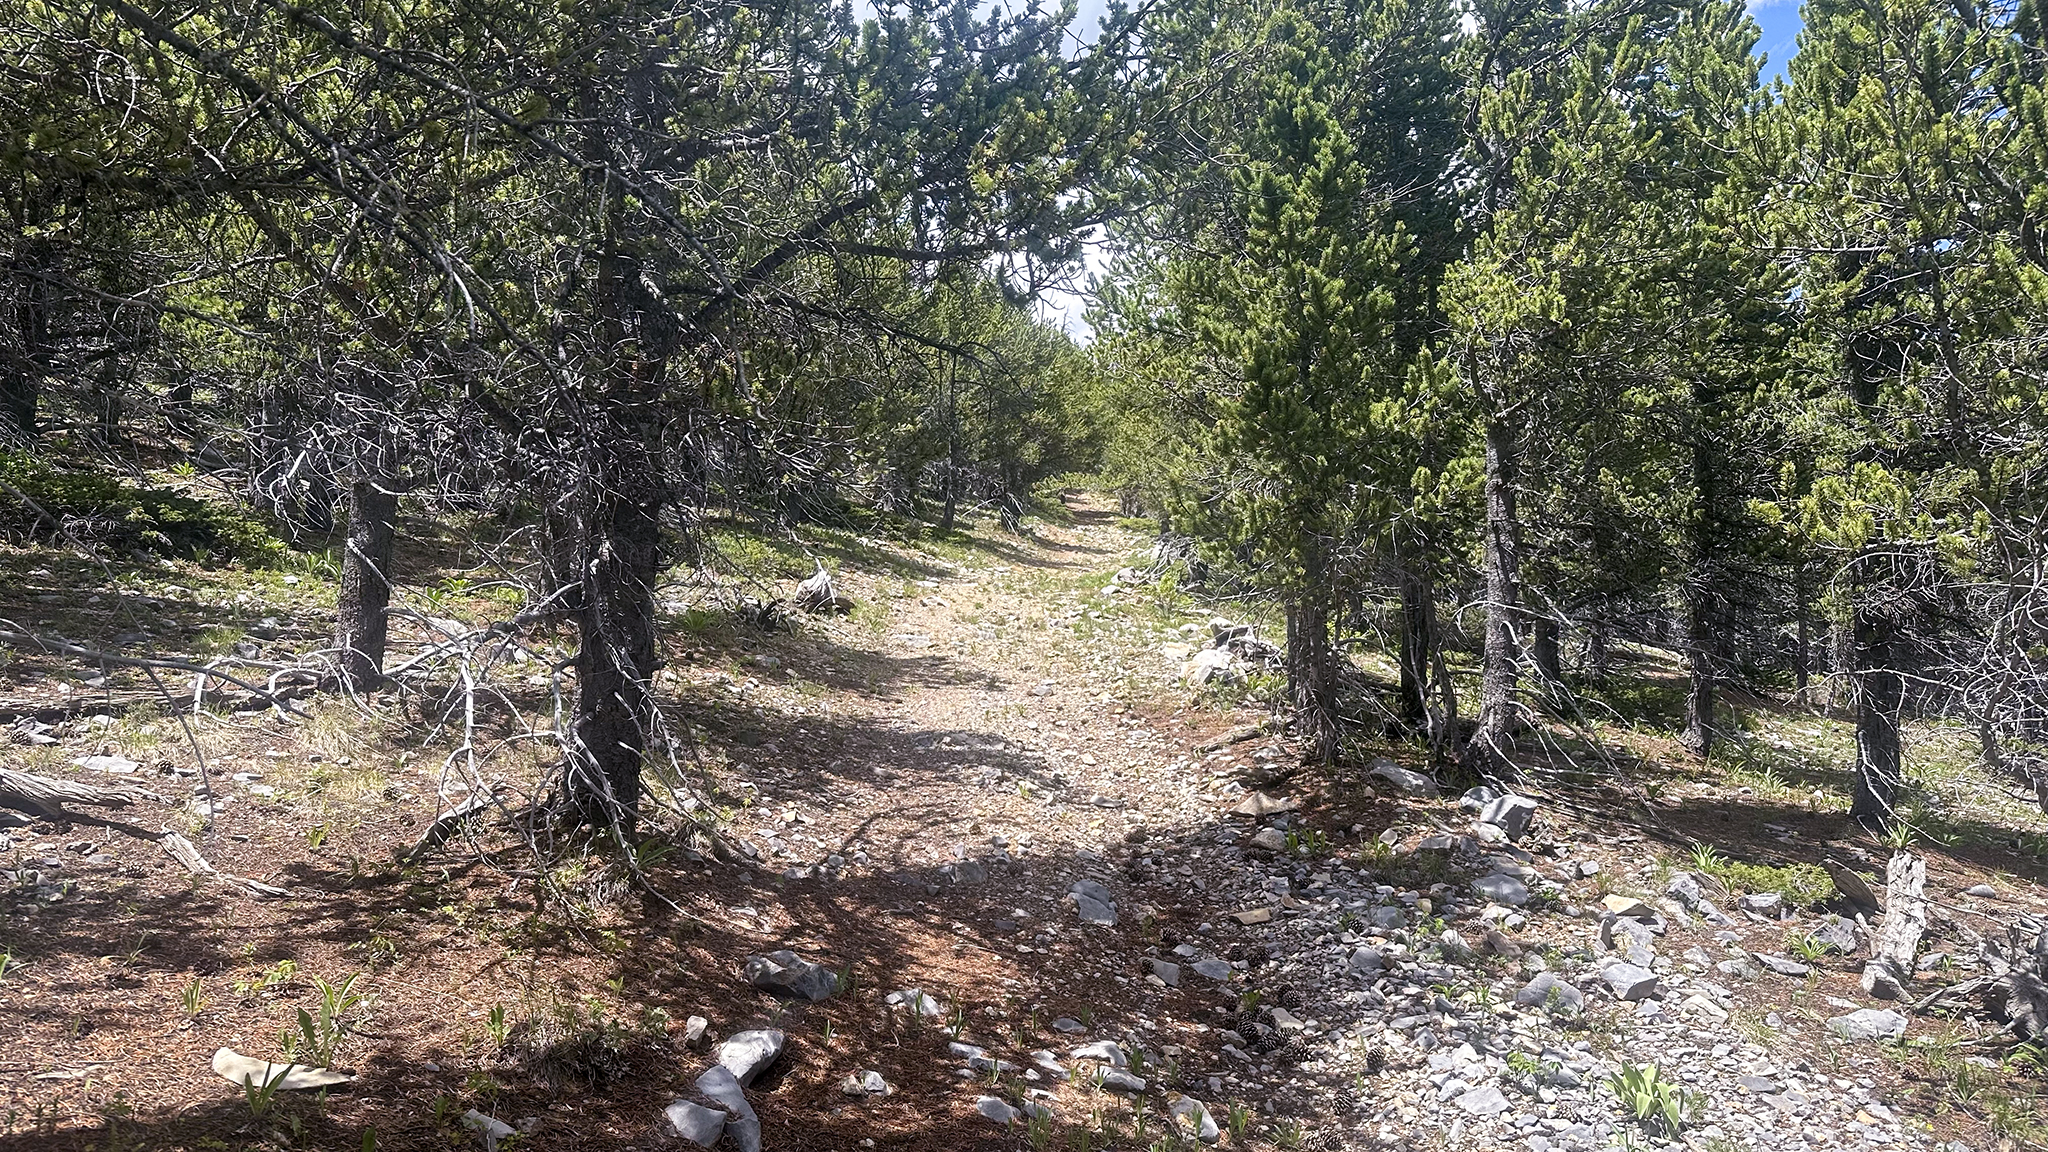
{"x":102,"y":510}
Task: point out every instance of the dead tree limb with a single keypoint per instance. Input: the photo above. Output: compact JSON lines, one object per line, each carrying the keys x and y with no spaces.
{"x":66,"y":648}
{"x":45,"y":797}
{"x":1905,"y":921}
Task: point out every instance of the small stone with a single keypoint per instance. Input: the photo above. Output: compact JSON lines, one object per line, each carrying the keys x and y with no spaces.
{"x":1757,"y":1085}
{"x":1253,"y":916}
{"x":1102,"y":1052}
{"x":786,"y":973}
{"x":1501,"y":888}
{"x":1094,"y":911}
{"x":747,"y":1054}
{"x":1983,"y":891}
{"x":1782,"y":965}
{"x":1168,"y":972}
{"x":1476,"y":799}
{"x":1270,"y":839}
{"x":1627,"y":907}
{"x":699,"y":1125}
{"x":1259,"y":805}
{"x":917,"y":1001}
{"x":1069,"y":1025}
{"x":1767,"y":904}
{"x":1213,"y":969}
{"x":1552,"y":994}
{"x":1629,"y":982}
{"x":694,"y":1031}
{"x":1190,"y":1113}
{"x":996,"y":1110}
{"x":1685,"y":888}
{"x":1404,"y":781}
{"x":1123,"y":1083}
{"x":718,"y":1086}
{"x":1485,"y":1100}
{"x":1366,"y":960}
{"x":1868,"y":1024}
{"x":1511,"y":814}
{"x":869,"y":1083}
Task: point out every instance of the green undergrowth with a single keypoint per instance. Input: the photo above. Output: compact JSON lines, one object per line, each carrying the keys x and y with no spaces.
{"x":102,"y":510}
{"x":1803,"y":885}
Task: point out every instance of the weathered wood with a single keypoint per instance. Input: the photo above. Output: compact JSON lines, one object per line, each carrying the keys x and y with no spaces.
{"x":1905,"y":921}
{"x":184,"y":852}
{"x":2019,"y":994}
{"x":45,"y":797}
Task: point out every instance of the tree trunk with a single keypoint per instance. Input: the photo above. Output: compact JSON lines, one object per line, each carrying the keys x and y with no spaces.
{"x":616,"y":661}
{"x":1879,"y":694}
{"x":360,"y":623}
{"x":1418,"y":641}
{"x":1698,"y":736}
{"x":1596,"y":651}
{"x":21,"y":374}
{"x":1499,"y":669}
{"x":1311,"y":678}
{"x":1545,"y":655}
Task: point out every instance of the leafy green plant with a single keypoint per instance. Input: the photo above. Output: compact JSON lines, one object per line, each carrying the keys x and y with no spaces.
{"x":322,"y":1033}
{"x":260,"y":1097}
{"x":192,"y":999}
{"x":1708,"y":859}
{"x":496,"y":1025}
{"x":1806,"y":947}
{"x":1239,"y":1121}
{"x":1656,"y":1103}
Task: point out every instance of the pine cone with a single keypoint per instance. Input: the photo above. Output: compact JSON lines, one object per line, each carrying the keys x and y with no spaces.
{"x":1376,"y":1060}
{"x":1267,"y":1044}
{"x":1296,"y":1050}
{"x":1245,"y":1023}
{"x":1290,"y":998}
{"x":1323,"y":1142}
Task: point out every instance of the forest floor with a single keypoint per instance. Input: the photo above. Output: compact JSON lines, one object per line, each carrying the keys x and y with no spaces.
{"x":911,"y":793}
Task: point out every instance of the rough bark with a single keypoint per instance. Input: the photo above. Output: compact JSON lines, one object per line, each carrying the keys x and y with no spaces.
{"x":360,"y":624}
{"x":23,"y":370}
{"x":1311,"y":678}
{"x":1879,"y":694}
{"x":1905,"y":921}
{"x":1418,"y":642}
{"x":1500,"y":665}
{"x":1545,"y":654}
{"x":1702,"y":682}
{"x":615,"y":664}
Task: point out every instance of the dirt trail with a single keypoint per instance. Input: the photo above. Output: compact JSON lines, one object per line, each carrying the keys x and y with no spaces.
{"x":919,"y":789}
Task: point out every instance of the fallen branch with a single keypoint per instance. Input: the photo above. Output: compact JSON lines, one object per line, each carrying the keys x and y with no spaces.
{"x":45,"y":797}
{"x":66,"y":648}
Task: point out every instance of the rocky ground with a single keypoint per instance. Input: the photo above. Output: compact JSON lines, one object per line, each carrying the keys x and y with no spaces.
{"x":992,"y":875}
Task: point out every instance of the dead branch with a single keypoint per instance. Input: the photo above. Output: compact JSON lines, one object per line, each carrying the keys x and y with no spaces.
{"x":66,"y":648}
